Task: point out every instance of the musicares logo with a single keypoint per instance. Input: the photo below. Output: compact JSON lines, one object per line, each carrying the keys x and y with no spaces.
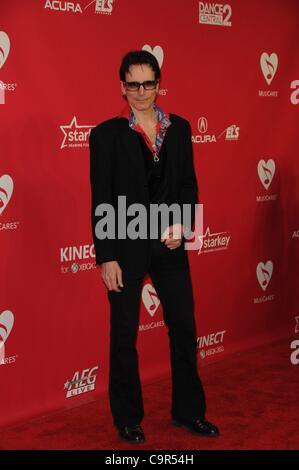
{"x":266,"y":171}
{"x":4,"y":48}
{"x":269,"y":64}
{"x":150,"y":299}
{"x":264,"y":273}
{"x":6,"y":324}
{"x":157,"y":51}
{"x":6,"y":190}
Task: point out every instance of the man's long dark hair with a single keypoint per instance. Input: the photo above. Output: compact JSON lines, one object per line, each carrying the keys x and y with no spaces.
{"x":136,"y":58}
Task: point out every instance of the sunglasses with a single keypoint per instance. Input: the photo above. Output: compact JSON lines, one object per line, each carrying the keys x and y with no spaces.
{"x":147,"y":85}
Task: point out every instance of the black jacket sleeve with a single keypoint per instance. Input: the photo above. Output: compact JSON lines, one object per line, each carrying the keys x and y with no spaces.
{"x":189,"y":187}
{"x":101,"y":179}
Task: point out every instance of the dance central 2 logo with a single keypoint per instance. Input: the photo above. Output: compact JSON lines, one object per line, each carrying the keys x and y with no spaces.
{"x":158,"y":218}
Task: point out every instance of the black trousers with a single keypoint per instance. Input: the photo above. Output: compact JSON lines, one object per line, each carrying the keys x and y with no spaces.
{"x":174,"y":289}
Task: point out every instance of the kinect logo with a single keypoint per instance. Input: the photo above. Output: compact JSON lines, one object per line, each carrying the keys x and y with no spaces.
{"x":6,"y":324}
{"x":6,"y":190}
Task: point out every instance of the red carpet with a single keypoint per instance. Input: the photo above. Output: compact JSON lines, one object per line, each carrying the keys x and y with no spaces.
{"x":252,"y":397}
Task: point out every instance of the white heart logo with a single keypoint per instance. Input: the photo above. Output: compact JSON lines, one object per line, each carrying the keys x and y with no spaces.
{"x":157,"y":52}
{"x":6,"y":324}
{"x":150,"y":299}
{"x":264,"y":273}
{"x":4,"y":47}
{"x":266,"y":171}
{"x":269,"y":66}
{"x":6,"y":189}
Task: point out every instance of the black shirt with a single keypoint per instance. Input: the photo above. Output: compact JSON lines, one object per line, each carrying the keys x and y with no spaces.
{"x":158,"y":185}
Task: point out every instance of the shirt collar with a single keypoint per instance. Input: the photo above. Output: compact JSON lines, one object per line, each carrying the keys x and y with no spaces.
{"x":162,"y":117}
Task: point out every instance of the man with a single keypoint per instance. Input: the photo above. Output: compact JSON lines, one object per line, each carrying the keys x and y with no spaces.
{"x":145,"y":154}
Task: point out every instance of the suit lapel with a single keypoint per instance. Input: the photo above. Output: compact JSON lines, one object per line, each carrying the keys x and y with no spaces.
{"x":133,"y":150}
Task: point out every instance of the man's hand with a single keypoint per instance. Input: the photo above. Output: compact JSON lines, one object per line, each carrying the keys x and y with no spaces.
{"x":112,"y":275}
{"x":173,"y":236}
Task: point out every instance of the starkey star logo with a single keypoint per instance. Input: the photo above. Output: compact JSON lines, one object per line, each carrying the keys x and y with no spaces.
{"x":213,"y":241}
{"x":75,"y":135}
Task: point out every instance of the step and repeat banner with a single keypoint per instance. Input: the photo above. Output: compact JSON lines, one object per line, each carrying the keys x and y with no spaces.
{"x":232,"y":70}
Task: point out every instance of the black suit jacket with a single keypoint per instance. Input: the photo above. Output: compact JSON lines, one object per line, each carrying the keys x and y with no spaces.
{"x":117,"y":168}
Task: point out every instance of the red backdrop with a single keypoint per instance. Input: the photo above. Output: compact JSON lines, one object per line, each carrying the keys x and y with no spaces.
{"x":233,"y":71}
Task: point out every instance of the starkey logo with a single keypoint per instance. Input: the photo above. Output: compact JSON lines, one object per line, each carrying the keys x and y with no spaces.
{"x":75,"y":135}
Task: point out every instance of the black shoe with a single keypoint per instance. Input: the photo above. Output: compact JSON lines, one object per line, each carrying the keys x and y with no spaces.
{"x":133,"y":434}
{"x":201,"y":427}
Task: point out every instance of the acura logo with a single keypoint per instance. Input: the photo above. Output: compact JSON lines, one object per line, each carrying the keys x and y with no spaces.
{"x":202,"y":124}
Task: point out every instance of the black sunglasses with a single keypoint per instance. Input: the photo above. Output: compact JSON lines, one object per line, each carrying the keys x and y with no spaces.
{"x":147,"y":85}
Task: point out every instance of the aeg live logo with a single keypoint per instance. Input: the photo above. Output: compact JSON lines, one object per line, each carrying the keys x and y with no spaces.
{"x":81,"y":382}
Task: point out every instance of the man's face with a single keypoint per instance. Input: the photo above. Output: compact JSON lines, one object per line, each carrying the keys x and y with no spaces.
{"x":141,"y":99}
